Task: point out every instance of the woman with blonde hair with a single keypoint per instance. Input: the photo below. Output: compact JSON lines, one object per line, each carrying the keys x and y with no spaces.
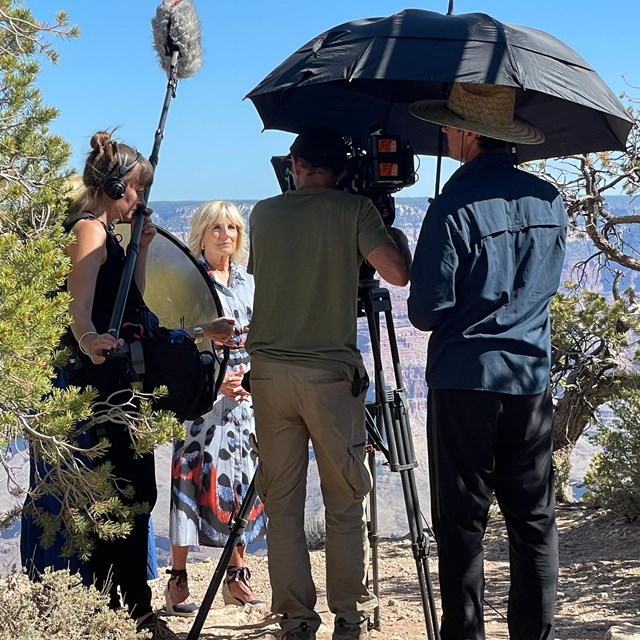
{"x":213,"y":466}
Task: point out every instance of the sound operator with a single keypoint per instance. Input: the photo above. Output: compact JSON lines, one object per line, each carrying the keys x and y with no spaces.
{"x":308,"y":381}
{"x":115,"y":177}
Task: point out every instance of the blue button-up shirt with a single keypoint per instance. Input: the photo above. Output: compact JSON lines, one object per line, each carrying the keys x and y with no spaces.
{"x":487,"y":263}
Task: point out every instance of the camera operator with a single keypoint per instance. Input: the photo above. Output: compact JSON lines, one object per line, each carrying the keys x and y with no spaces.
{"x":487,"y":263}
{"x":308,"y":381}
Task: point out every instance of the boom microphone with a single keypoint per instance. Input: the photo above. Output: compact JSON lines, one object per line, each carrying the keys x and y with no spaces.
{"x":176,"y":28}
{"x":176,"y":35}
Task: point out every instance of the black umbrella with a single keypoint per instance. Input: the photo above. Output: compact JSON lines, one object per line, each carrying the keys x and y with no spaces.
{"x":361,"y":76}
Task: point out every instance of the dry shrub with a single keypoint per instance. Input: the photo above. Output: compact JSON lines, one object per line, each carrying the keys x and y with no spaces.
{"x":316,"y":533}
{"x":58,"y":607}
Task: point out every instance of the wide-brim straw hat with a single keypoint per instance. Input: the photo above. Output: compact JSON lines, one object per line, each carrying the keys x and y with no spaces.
{"x":485,"y":109}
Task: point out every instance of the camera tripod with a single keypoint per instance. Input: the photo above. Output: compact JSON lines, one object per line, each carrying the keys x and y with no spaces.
{"x":389,"y":411}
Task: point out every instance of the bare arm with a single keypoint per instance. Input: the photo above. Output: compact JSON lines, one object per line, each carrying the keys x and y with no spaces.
{"x":87,"y":254}
{"x":220,"y":331}
{"x":393,"y":260}
{"x":148,"y":233}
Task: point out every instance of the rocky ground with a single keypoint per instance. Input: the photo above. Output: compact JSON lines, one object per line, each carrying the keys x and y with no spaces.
{"x":599,"y":585}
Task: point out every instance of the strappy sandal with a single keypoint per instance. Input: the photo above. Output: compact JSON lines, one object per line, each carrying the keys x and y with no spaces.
{"x":179,"y":581}
{"x":238,"y":574}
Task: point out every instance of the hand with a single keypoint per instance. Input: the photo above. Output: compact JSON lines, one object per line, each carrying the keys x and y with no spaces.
{"x":221,"y":331}
{"x":231,"y":386}
{"x":95,"y":346}
{"x":148,"y":230}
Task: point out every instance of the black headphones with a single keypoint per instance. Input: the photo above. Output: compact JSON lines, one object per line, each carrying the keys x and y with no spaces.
{"x":113,"y":186}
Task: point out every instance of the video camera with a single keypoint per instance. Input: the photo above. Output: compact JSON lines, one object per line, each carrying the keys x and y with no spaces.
{"x":382,"y":168}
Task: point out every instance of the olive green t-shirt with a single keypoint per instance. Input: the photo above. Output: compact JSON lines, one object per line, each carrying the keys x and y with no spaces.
{"x":306,"y":248}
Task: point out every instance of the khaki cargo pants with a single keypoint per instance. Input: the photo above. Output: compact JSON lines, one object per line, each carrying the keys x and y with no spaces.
{"x":293,"y":405}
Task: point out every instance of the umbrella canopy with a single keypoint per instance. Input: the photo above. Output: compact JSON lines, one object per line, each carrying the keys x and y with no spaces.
{"x":362,"y":76}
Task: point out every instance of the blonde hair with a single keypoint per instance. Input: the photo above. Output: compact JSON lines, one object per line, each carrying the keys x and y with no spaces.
{"x":211,"y":213}
{"x":104,"y":161}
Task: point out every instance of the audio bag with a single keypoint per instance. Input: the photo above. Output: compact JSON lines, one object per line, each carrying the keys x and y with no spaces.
{"x":161,"y":357}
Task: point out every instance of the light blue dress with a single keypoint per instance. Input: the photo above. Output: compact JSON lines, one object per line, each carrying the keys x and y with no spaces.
{"x":212,"y":468}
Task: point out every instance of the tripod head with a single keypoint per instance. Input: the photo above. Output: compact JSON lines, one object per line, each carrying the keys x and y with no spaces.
{"x":366,"y":284}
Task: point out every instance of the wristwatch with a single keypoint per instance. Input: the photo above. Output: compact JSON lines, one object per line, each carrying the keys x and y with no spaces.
{"x":198,"y":334}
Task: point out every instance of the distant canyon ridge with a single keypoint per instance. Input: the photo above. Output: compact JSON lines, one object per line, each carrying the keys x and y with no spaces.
{"x":174,"y":217}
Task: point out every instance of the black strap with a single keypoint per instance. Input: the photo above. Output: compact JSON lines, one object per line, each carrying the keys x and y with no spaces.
{"x":81,"y":215}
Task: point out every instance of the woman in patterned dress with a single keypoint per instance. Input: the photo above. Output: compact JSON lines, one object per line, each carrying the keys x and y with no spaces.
{"x":213,"y":467}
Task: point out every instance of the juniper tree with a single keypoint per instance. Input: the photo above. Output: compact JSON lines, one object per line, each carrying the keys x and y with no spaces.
{"x":594,"y":361}
{"x":594,"y":331}
{"x":33,"y":305}
{"x":613,"y":480}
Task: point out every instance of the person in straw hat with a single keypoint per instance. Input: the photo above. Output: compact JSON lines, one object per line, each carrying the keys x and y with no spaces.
{"x":487,"y":263}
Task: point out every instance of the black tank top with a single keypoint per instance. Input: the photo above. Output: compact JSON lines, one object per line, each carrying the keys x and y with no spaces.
{"x":114,"y":374}
{"x":108,"y":280}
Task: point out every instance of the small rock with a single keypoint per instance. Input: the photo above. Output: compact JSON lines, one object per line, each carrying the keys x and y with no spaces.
{"x":625,"y":631}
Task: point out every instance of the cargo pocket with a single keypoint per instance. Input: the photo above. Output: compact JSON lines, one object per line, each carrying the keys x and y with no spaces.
{"x":260,"y":481}
{"x":357,"y":473}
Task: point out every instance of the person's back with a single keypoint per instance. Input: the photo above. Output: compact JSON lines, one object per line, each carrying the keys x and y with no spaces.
{"x":509,"y":231}
{"x":487,"y":263}
{"x":307,"y":380}
{"x":312,"y":243}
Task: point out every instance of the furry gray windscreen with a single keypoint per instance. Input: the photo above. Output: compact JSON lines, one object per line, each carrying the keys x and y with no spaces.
{"x":177,"y":23}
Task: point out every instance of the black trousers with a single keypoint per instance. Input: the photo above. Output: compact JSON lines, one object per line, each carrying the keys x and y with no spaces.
{"x":121,"y":564}
{"x":482,"y":443}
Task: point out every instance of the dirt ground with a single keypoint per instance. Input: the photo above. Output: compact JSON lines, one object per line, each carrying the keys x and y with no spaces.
{"x":599,"y":585}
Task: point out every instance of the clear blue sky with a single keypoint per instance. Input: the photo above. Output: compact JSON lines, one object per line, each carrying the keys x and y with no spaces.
{"x":214,"y":146}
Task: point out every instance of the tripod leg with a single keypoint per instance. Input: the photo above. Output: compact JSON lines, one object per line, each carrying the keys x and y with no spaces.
{"x":237,"y":530}
{"x":420,"y":542}
{"x":374,"y":538}
{"x":392,"y":420}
